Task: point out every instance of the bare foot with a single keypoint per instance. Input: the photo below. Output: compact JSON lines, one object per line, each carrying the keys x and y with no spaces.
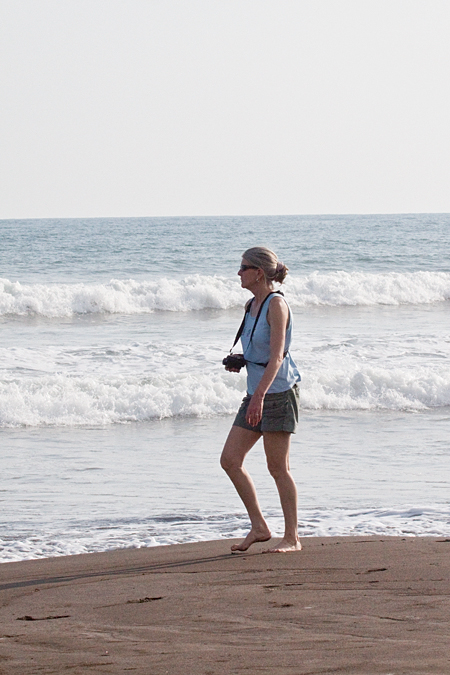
{"x":252,"y":537}
{"x":285,"y":546}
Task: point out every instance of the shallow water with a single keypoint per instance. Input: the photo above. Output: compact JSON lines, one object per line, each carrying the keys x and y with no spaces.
{"x":71,"y":491}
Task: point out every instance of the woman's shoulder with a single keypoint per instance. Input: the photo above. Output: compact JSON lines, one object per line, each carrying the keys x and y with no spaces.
{"x":278,"y":307}
{"x":278,"y":300}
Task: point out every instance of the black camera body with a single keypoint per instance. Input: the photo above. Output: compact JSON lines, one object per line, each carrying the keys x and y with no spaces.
{"x":234,"y":361}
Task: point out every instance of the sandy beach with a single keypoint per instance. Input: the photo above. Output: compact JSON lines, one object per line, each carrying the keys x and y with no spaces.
{"x":357,"y":605}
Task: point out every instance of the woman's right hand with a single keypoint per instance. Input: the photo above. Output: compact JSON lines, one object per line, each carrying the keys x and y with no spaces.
{"x":255,"y":410}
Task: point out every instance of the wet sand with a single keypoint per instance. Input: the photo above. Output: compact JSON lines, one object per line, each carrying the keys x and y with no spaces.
{"x":356,"y":605}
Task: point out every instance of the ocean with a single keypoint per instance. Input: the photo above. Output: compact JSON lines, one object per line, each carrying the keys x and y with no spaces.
{"x":114,"y":404}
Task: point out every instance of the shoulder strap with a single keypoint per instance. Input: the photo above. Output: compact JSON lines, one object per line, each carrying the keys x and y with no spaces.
{"x":247,"y":310}
{"x":259,"y":312}
{"x":241,"y":327}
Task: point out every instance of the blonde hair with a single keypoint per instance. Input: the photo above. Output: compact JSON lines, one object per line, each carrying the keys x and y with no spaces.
{"x":267,"y":260}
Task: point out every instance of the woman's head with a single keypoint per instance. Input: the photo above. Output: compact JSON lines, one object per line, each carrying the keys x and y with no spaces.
{"x":267,"y":261}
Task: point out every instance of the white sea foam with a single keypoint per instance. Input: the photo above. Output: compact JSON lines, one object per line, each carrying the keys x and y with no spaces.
{"x":119,"y":296}
{"x":197,"y":292}
{"x":362,"y":288}
{"x":60,"y":399}
{"x":49,"y":540}
{"x":364,"y":387}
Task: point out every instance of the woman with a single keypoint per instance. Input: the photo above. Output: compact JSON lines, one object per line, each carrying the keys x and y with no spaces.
{"x":270,"y":408}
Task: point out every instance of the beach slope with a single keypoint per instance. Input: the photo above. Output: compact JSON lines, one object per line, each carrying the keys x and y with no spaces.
{"x":358,"y":605}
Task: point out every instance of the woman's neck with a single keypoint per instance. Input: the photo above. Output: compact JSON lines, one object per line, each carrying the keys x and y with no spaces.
{"x":261,"y":291}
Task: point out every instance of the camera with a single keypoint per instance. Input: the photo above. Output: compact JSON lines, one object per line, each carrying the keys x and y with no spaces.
{"x":234,"y":361}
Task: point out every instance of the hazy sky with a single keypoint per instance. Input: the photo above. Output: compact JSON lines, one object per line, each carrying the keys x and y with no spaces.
{"x":210,"y":107}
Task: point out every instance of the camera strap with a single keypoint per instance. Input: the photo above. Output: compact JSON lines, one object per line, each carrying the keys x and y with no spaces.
{"x":247,"y":310}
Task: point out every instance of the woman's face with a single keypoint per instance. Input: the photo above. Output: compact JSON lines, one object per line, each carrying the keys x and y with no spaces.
{"x":248,"y":273}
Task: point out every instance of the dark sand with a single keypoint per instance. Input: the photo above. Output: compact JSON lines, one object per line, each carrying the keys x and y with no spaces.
{"x":357,"y":605}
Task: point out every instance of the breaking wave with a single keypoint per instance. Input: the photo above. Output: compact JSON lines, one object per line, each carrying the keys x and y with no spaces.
{"x":197,"y":292}
{"x":77,"y":400}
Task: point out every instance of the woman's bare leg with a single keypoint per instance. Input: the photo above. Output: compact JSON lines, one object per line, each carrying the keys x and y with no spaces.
{"x":238,"y":444}
{"x":276,"y":446}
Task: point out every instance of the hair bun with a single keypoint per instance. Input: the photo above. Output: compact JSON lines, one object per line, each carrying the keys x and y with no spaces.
{"x":280,"y":272}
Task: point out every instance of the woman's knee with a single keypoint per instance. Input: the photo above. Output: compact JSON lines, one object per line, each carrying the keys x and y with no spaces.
{"x":237,"y":445}
{"x":229,"y":460}
{"x":226,"y":463}
{"x":278,"y":470}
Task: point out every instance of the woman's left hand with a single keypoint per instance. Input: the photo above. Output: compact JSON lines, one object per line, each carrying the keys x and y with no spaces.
{"x":254,"y":410}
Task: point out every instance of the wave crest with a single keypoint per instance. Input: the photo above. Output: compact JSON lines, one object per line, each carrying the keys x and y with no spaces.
{"x":362,"y":288}
{"x":197,"y":292}
{"x":364,"y":387}
{"x":127,"y":296}
{"x":70,"y":401}
{"x":66,"y":400}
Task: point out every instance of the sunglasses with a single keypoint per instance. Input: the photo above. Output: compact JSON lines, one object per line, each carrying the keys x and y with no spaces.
{"x":243,"y":268}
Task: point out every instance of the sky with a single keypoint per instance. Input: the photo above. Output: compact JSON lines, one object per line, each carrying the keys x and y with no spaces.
{"x":223,"y":107}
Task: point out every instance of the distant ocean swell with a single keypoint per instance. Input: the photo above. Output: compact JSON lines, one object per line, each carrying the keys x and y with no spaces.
{"x":197,"y":292}
{"x":68,"y":400}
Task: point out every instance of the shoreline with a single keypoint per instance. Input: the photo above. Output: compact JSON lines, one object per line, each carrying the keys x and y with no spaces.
{"x":362,"y":605}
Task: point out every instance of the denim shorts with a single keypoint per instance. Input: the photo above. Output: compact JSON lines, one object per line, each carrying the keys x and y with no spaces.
{"x":280,"y":412}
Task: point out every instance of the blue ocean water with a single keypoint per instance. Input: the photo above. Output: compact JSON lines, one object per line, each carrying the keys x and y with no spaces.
{"x":71,"y":250}
{"x":114,"y":404}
